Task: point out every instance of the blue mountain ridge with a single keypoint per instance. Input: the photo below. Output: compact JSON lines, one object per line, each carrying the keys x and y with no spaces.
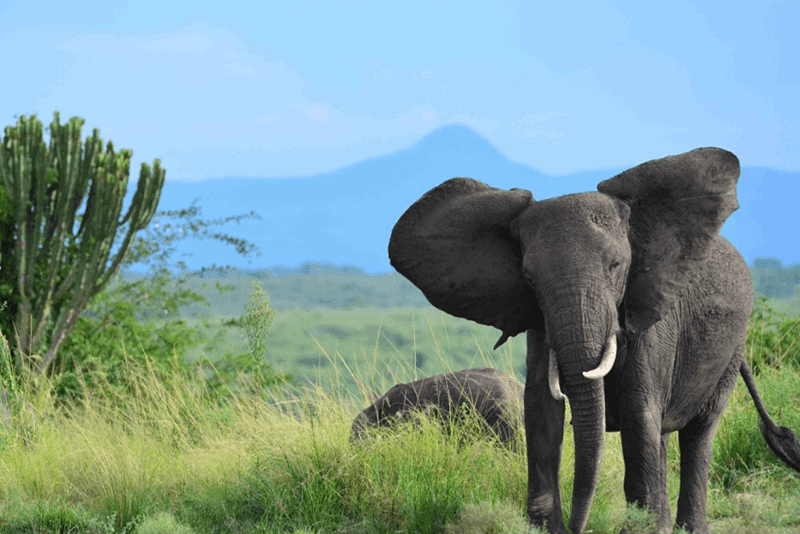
{"x":345,"y":217}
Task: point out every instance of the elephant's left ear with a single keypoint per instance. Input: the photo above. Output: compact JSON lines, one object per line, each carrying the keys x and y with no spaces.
{"x":678,"y":205}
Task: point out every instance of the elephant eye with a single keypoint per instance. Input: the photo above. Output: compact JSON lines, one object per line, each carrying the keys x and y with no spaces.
{"x":614,"y":265}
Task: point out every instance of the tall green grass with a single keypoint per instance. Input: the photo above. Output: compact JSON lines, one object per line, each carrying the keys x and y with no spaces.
{"x":167,"y":454}
{"x":371,"y":347}
{"x":170,"y":453}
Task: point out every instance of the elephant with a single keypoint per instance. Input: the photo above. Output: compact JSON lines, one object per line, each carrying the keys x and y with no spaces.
{"x":496,"y":396}
{"x":634,"y":307}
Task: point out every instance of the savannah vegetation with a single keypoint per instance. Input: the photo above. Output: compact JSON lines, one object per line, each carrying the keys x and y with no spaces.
{"x":221,"y":401}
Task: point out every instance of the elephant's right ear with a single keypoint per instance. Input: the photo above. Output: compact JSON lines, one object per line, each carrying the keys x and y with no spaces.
{"x":456,"y":245}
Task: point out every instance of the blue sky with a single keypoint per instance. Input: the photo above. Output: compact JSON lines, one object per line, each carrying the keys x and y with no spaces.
{"x":294,"y":88}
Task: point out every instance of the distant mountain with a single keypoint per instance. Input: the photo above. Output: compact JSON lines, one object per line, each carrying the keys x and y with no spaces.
{"x":345,"y":217}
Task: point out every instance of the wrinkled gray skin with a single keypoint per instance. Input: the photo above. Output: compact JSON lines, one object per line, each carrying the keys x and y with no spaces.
{"x":497,"y":397}
{"x":639,"y":264}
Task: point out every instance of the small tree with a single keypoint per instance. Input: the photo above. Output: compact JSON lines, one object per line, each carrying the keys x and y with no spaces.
{"x":60,"y":210}
{"x":256,"y":323}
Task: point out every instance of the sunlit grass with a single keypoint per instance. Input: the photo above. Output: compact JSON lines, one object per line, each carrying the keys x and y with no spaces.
{"x":250,"y":462}
{"x":124,"y":457}
{"x":167,"y":455}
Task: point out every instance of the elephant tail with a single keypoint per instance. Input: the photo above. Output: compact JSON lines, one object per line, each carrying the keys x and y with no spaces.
{"x":783,"y":442}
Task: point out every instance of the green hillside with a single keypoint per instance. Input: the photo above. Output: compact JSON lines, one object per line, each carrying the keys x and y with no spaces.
{"x":331,"y":318}
{"x":330,"y":345}
{"x":316,"y":285}
{"x":309,"y":287}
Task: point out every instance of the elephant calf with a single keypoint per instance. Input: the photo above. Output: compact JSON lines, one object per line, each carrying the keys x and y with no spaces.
{"x":497,"y":397}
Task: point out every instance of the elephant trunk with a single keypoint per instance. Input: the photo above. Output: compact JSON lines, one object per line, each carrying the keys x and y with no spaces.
{"x":583,"y":340}
{"x":587,"y":404}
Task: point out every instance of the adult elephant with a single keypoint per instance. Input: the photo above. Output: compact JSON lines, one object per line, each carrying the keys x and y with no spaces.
{"x":634,"y":306}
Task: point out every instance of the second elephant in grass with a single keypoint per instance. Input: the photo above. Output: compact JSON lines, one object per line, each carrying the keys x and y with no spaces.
{"x":495,"y":395}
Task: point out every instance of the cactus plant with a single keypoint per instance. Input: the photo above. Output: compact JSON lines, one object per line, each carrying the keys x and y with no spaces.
{"x":63,"y":203}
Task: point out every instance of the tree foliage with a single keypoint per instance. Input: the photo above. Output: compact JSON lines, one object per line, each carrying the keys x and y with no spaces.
{"x":64,"y":234}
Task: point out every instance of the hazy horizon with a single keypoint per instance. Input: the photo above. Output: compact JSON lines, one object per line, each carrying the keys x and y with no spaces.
{"x":301,"y":88}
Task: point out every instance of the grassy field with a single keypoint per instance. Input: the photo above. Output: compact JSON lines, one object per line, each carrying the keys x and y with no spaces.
{"x":378,"y":347}
{"x":165,"y":455}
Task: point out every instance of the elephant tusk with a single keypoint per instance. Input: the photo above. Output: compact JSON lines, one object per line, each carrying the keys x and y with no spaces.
{"x":552,"y":378}
{"x":607,"y":362}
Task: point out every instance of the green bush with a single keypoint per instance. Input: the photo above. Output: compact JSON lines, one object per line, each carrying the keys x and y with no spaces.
{"x":118,"y":327}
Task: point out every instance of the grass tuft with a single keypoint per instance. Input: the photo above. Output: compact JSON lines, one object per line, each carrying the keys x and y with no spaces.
{"x":491,"y":518}
{"x":163,"y":523}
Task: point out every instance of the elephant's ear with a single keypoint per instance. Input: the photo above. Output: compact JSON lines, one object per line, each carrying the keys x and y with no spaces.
{"x":678,"y":205}
{"x":456,"y":245}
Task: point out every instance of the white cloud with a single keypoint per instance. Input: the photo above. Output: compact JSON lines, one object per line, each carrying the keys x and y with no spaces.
{"x":196,"y":52}
{"x":428,"y":116}
{"x":194,"y":40}
{"x":237,"y":67}
{"x":318,"y":112}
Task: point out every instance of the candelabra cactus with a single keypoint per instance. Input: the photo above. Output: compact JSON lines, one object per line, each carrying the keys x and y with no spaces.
{"x":63,"y":206}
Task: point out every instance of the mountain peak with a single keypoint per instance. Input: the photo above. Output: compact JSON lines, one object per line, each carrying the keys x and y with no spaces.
{"x":457,"y":139}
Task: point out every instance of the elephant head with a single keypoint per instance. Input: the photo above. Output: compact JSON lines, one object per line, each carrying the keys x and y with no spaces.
{"x":576,"y":269}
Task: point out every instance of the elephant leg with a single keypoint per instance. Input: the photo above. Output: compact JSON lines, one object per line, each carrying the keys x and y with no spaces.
{"x":645,"y":452}
{"x":544,"y":433}
{"x":696,"y":440}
